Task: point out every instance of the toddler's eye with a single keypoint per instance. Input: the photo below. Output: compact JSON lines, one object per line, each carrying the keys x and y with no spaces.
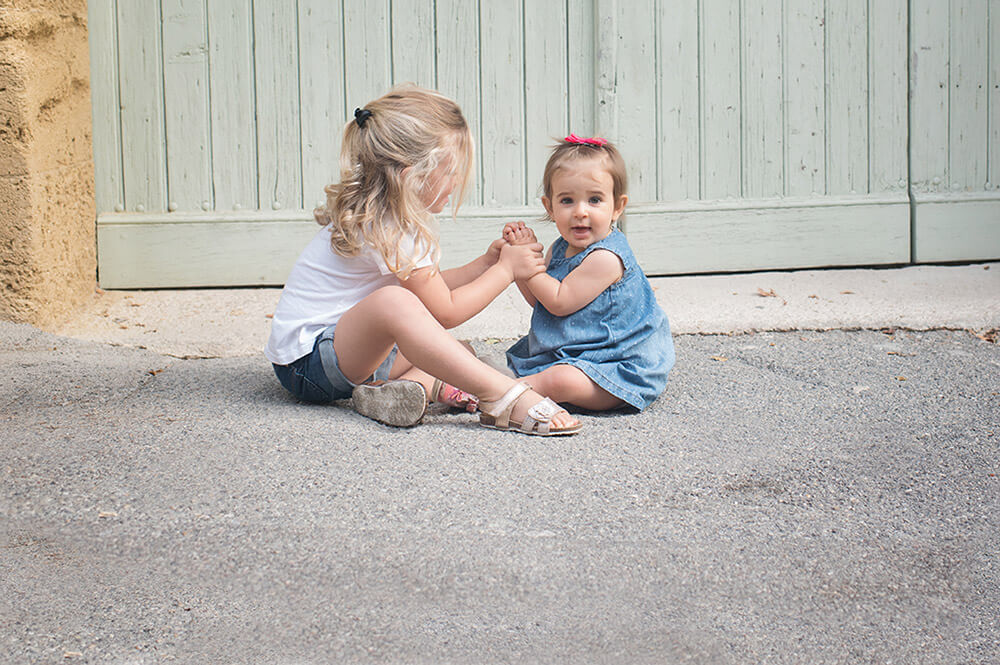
{"x":595,"y":200}
{"x":566,"y":201}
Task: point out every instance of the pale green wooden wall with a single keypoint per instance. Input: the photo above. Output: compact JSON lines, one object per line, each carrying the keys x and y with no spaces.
{"x":955,"y":129}
{"x":759,"y":134}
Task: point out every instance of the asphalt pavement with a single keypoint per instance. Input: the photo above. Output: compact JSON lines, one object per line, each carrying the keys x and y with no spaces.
{"x":796,"y":496}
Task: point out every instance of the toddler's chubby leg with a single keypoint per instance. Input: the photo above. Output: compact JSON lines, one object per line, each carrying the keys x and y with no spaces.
{"x":569,"y":385}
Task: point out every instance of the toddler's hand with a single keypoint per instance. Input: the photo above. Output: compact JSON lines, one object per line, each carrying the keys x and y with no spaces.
{"x":524,"y":261}
{"x":516,"y":233}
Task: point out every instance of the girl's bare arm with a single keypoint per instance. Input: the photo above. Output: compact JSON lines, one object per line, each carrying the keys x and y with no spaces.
{"x":456,"y":277}
{"x":516,"y":233}
{"x":452,"y":307}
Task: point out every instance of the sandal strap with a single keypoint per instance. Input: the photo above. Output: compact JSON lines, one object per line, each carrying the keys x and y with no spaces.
{"x":540,"y":416}
{"x":435,"y":390}
{"x":500,"y":409}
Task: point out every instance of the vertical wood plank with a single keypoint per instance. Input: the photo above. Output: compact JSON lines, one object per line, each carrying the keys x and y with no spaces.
{"x":367,"y":54}
{"x":967,"y":131}
{"x":678,"y":104}
{"x":606,"y":67}
{"x":102,"y":20}
{"x":763,"y":138}
{"x":233,"y":112}
{"x":580,"y":31}
{"x":993,"y":100}
{"x":929,"y":95}
{"x":413,"y":42}
{"x":804,"y":98}
{"x":279,"y":181}
{"x":636,"y":96}
{"x":186,"y":106}
{"x":888,"y":91}
{"x":847,"y":97}
{"x":502,"y":69}
{"x":546,"y":88}
{"x":140,"y":67}
{"x":457,"y":62}
{"x":324,"y":111}
{"x":721,"y":99}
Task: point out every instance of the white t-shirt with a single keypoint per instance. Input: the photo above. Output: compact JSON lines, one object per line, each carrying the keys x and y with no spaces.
{"x":321,"y":287}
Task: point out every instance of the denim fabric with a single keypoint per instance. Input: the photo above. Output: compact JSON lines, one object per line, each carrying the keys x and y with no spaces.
{"x":621,"y":340}
{"x":316,"y":376}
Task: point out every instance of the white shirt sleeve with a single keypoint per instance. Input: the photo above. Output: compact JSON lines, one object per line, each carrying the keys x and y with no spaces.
{"x":408,"y":246}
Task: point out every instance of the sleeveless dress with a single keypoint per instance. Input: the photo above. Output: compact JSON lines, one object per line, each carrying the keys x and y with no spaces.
{"x":621,"y":340}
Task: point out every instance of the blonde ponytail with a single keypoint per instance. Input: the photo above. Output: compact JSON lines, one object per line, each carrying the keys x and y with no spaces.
{"x":389,"y":150}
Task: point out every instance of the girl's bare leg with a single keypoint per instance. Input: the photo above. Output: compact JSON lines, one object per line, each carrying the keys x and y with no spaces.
{"x":393,"y":315}
{"x":567,"y":384}
{"x":404,"y":369}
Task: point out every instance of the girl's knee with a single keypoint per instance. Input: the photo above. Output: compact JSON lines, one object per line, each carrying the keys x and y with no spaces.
{"x":396,"y":299}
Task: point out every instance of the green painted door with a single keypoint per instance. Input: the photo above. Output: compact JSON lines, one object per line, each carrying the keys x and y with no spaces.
{"x":758,"y":135}
{"x":955,"y":130}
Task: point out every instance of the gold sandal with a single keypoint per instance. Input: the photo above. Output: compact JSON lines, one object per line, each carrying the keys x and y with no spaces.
{"x":537,"y":422}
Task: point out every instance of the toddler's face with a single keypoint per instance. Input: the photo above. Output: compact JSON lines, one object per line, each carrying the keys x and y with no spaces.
{"x":582,"y":204}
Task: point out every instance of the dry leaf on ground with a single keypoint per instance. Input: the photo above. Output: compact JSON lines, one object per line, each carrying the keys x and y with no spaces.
{"x":992,"y":336}
{"x":770,"y":294}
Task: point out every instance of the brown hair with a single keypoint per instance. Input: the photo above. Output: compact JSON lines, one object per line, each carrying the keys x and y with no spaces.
{"x":567,"y":151}
{"x":386,"y":157}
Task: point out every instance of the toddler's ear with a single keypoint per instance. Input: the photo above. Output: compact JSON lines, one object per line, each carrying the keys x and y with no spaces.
{"x":548,"y":205}
{"x":620,"y":207}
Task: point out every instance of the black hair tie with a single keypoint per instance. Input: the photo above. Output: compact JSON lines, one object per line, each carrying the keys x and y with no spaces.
{"x":361,"y":116}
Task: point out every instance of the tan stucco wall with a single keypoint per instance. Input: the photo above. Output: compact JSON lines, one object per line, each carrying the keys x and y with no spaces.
{"x":47,"y":210}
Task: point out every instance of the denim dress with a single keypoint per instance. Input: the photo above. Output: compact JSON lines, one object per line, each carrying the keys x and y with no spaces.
{"x":621,"y":340}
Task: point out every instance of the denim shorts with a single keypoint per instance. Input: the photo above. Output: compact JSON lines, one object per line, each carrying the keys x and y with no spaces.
{"x":316,"y":377}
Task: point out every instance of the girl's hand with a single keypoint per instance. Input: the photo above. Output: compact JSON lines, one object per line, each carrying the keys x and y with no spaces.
{"x":516,"y":233}
{"x":493,"y":251}
{"x":523,"y":261}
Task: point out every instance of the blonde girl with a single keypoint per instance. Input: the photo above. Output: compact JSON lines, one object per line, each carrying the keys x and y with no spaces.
{"x":365,"y":309}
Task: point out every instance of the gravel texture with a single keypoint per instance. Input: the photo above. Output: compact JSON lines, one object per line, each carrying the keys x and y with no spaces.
{"x":820,"y":497}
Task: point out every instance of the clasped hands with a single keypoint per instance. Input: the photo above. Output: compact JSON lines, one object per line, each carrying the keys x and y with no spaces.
{"x":519,"y":251}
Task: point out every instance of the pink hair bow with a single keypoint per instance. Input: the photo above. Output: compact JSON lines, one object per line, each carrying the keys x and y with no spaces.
{"x":598,"y":141}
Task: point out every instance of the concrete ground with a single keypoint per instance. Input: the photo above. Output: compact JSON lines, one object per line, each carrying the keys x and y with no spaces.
{"x":819,"y":487}
{"x":235,"y":322}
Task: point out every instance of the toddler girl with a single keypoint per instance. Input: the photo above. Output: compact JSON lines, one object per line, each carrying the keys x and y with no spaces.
{"x":365,"y":308}
{"x":598,"y":338}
